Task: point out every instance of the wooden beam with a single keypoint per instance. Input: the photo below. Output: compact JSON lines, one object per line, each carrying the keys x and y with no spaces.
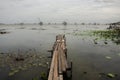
{"x":59,"y":62}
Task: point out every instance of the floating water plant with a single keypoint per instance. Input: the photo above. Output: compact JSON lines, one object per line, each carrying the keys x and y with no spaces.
{"x":119,"y":54}
{"x":105,"y":42}
{"x":47,"y":63}
{"x":102,"y":74}
{"x":40,"y":64}
{"x":113,"y":35}
{"x":34,"y":64}
{"x":23,"y":68}
{"x":108,"y":57}
{"x":16,"y":63}
{"x":111,"y":75}
{"x":15,"y":71}
{"x":36,"y":78}
{"x":43,"y":76}
{"x":95,"y":41}
{"x":11,"y":73}
{"x":12,"y":68}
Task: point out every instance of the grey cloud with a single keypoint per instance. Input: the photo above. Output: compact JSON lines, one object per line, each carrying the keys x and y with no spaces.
{"x":106,"y":1}
{"x":58,"y":10}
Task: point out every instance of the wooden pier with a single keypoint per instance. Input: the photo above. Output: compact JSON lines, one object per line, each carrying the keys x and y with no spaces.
{"x":59,"y":66}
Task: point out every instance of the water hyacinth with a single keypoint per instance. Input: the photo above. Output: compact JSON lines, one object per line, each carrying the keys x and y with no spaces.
{"x":119,"y":54}
{"x":13,"y":72}
{"x":111,"y":75}
{"x":43,"y":76}
{"x":108,"y":57}
{"x":113,"y":35}
{"x":16,"y":63}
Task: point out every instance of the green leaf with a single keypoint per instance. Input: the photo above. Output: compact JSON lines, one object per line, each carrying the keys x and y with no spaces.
{"x":108,"y":57}
{"x":11,"y":73}
{"x":119,"y":54}
{"x":110,"y":75}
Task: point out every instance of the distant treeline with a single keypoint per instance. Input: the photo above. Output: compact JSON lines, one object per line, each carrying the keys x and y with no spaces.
{"x":63,"y":23}
{"x":115,"y":26}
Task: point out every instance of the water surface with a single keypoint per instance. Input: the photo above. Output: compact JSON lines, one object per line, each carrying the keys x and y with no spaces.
{"x":89,"y":59}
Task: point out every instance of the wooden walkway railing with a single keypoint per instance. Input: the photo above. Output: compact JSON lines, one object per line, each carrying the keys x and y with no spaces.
{"x":59,"y":65}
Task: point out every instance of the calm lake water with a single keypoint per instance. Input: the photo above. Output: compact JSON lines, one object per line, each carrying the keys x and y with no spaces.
{"x":90,"y":61}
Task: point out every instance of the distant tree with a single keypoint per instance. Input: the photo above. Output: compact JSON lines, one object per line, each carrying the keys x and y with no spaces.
{"x":94,"y":23}
{"x":98,"y":23}
{"x":49,"y":23}
{"x":21,"y":23}
{"x":34,"y":23}
{"x":75,"y":24}
{"x":64,"y":23}
{"x":1,"y":23}
{"x":82,"y":23}
{"x":40,"y":23}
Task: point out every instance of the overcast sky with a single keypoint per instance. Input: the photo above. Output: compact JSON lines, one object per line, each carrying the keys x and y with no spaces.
{"x":103,"y":11}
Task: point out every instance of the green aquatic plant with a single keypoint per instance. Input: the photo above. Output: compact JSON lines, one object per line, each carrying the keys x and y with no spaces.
{"x":118,"y":54}
{"x":43,"y":76}
{"x":31,"y":60}
{"x":111,"y":75}
{"x":107,"y":33}
{"x":35,"y":78}
{"x":40,"y":64}
{"x":113,"y":35}
{"x":13,"y":72}
{"x":95,"y":42}
{"x":105,"y":42}
{"x":108,"y":57}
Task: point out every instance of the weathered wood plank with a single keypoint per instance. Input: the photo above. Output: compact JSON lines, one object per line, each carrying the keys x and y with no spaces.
{"x":59,"y":61}
{"x":50,"y":77}
{"x":56,"y":67}
{"x":60,"y":65}
{"x":60,"y":77}
{"x":64,"y":58}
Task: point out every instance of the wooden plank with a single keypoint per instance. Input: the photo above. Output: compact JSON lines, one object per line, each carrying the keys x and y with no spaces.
{"x":59,"y":61}
{"x":66,"y":64}
{"x":55,"y":77}
{"x":60,"y":77}
{"x":63,"y":45}
{"x":50,"y":77}
{"x":62,"y":61}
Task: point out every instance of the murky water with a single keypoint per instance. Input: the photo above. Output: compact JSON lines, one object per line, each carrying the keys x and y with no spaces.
{"x":90,"y":61}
